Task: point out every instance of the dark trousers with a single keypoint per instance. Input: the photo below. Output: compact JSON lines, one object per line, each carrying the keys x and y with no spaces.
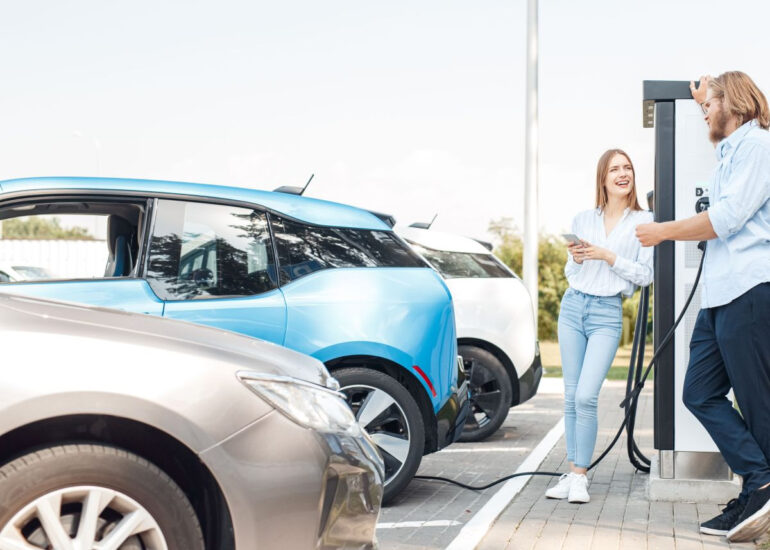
{"x":730,"y":348}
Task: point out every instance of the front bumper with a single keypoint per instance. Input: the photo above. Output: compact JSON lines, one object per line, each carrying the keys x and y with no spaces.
{"x":451,"y":417}
{"x":530,"y":380}
{"x":291,"y":487}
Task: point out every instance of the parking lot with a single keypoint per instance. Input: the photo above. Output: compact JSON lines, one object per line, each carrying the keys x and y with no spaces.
{"x":431,"y":514}
{"x":619,"y":516}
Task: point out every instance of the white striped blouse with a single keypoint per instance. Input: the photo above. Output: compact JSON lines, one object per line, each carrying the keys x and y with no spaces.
{"x":633,"y":266}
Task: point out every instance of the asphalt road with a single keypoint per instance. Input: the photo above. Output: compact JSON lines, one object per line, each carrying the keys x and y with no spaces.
{"x":430,"y":514}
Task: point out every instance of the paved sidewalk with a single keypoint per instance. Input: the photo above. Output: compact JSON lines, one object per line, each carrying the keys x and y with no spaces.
{"x":619,"y":515}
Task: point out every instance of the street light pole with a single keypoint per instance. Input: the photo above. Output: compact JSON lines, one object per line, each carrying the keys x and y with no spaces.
{"x":531,"y":162}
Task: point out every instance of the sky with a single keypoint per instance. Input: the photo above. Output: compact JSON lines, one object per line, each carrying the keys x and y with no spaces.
{"x":413,"y":108}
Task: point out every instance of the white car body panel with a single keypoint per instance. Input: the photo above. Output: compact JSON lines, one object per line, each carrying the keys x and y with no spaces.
{"x":496,"y":310}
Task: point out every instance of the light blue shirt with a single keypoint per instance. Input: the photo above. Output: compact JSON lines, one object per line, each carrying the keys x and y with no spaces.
{"x":633,"y":264}
{"x":739,"y":258}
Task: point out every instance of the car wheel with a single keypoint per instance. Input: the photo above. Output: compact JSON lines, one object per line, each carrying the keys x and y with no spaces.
{"x":389,"y":413}
{"x":93,"y":496}
{"x":490,"y":394}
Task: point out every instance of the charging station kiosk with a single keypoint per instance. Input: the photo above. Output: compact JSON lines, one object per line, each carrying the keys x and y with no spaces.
{"x":689,"y":465}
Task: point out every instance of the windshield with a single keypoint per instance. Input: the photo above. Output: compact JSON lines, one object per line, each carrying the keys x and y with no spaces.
{"x":463,"y":265}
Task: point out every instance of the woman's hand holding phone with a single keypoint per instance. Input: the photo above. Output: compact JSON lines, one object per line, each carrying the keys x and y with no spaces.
{"x":590,"y":252}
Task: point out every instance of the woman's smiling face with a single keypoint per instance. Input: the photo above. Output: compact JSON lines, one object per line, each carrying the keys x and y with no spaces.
{"x":620,"y":177}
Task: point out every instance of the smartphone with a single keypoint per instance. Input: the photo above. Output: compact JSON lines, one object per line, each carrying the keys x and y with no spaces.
{"x":571,"y":237}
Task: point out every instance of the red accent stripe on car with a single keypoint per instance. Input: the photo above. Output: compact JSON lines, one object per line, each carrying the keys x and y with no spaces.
{"x":427,"y":380}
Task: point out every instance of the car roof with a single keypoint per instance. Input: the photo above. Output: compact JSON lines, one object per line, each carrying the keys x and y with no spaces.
{"x":436,"y":240}
{"x":315,"y":211}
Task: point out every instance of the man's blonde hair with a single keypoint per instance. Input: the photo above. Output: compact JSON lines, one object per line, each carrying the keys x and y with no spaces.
{"x":741,"y":97}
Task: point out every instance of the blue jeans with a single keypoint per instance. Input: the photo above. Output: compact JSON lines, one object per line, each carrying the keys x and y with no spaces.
{"x":589,"y":333}
{"x":730,"y":348}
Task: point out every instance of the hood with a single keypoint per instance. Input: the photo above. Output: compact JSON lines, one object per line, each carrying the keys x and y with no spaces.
{"x":43,"y":317}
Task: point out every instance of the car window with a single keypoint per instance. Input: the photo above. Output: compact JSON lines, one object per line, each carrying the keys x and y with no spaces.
{"x":462,"y":265}
{"x":201,"y":250}
{"x":4,"y":277}
{"x":304,"y":249}
{"x":82,"y":240}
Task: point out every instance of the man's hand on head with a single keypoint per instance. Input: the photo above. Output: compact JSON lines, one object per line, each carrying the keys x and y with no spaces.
{"x":699,"y":93}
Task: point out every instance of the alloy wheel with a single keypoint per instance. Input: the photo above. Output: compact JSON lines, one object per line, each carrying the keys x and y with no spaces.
{"x":486,"y":396}
{"x":82,"y":518}
{"x":383,"y":418}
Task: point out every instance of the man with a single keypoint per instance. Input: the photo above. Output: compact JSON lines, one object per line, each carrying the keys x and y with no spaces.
{"x":730,"y":345}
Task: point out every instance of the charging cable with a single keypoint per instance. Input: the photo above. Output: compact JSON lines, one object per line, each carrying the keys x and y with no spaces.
{"x":635,"y":379}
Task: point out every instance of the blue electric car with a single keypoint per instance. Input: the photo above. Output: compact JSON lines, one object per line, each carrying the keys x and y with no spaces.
{"x":322,"y":278}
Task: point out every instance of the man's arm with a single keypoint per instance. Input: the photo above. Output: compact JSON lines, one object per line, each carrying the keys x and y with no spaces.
{"x":697,"y":228}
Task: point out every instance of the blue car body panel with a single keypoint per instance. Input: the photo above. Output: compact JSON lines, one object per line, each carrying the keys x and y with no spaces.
{"x":133,"y":295}
{"x":262,"y":316}
{"x":404,"y":315}
{"x":309,"y":210}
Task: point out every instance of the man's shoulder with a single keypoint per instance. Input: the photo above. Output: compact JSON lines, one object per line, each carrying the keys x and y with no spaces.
{"x":756,"y":141}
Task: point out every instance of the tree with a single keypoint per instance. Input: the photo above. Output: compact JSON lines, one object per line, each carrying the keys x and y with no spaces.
{"x":552,"y":255}
{"x":40,"y":228}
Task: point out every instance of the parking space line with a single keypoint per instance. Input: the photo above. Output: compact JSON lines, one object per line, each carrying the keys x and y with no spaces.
{"x":478,"y":526}
{"x":433,"y":523}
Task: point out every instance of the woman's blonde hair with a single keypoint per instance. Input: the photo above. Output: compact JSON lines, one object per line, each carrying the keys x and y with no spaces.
{"x":602,"y":169}
{"x":741,"y":97}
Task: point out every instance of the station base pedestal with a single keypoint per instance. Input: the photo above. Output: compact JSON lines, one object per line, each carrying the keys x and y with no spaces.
{"x":690,"y":490}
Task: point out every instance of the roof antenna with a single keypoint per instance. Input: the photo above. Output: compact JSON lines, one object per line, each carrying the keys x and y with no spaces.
{"x":293,"y":189}
{"x":308,"y":183}
{"x":423,"y":225}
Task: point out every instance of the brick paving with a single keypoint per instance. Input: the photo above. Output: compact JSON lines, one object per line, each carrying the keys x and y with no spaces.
{"x":619,"y":515}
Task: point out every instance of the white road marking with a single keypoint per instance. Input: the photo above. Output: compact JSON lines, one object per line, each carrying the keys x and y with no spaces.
{"x":403,"y":524}
{"x":478,"y":526}
{"x":486,"y":450}
{"x":551,"y":385}
{"x":514,"y":411}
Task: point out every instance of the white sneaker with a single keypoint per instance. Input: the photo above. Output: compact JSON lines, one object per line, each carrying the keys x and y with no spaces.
{"x":562,"y":488}
{"x":578,"y":491}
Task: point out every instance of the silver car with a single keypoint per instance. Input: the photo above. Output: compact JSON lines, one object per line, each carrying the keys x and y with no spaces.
{"x":122,"y":431}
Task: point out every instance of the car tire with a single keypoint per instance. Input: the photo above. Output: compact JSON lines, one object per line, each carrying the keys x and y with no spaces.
{"x":490,"y":394}
{"x":389,"y":413}
{"x":57,"y":493}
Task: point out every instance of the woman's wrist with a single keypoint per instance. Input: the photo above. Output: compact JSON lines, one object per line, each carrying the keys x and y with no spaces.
{"x":610,"y":257}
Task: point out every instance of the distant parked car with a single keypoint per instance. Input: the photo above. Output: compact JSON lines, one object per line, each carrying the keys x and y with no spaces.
{"x":14,"y":273}
{"x":496,"y":330}
{"x":321,"y":278}
{"x":128,"y":431}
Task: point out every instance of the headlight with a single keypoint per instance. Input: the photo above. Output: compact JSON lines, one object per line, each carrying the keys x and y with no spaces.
{"x":309,"y":405}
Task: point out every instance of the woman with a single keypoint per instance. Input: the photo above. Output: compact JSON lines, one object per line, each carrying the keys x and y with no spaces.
{"x":609,"y":261}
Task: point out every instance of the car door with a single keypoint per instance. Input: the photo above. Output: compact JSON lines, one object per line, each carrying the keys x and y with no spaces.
{"x":84,"y":251}
{"x":214,"y":264}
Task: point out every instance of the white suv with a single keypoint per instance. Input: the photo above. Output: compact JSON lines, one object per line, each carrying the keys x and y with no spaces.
{"x":496,"y":330}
